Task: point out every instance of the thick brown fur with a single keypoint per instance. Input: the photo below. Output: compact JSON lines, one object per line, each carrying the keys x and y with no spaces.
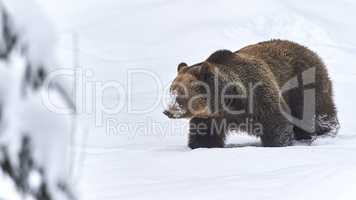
{"x":268,"y":67}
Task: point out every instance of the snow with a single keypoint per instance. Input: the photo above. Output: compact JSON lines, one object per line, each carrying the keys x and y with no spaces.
{"x":8,"y":188}
{"x":34,"y":29}
{"x":144,"y":156}
{"x":50,"y":139}
{"x":26,"y":114}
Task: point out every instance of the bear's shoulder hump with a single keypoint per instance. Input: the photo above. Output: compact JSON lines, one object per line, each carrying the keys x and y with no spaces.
{"x":220,"y":56}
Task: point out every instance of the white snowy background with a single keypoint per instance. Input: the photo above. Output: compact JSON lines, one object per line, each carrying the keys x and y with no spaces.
{"x":138,"y":162}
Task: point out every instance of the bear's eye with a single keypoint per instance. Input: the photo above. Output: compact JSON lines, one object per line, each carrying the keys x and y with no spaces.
{"x":199,"y":89}
{"x":180,"y":100}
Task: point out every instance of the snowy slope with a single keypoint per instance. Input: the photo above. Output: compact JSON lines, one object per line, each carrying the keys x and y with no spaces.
{"x":155,"y":35}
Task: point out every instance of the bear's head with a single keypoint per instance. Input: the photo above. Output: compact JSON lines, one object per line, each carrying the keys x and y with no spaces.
{"x":189,"y":92}
{"x":198,"y":91}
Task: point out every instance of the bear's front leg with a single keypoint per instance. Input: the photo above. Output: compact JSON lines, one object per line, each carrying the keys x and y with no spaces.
{"x":277,"y":130}
{"x":277,"y":135}
{"x":207,"y":133}
{"x":270,"y":110}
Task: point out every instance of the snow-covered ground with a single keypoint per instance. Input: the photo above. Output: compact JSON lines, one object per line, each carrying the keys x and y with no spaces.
{"x":145,"y":155}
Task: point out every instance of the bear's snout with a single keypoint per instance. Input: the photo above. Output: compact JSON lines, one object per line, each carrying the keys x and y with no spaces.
{"x":168,"y":114}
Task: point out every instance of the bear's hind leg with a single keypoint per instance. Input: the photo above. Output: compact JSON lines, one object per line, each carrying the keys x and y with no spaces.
{"x":207,"y":133}
{"x":295,"y":100}
{"x":326,"y":121}
{"x":326,"y":125}
{"x":300,"y":134}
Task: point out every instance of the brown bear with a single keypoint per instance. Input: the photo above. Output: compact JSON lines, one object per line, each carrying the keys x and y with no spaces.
{"x":277,"y":90}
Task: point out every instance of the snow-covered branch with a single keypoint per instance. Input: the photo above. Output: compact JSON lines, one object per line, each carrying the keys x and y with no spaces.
{"x":33,"y":141}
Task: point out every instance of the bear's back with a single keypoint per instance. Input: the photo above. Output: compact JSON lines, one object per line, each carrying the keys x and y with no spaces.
{"x":285,"y":58}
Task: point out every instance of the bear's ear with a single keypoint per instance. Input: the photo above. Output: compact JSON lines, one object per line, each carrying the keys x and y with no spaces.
{"x":182,"y":66}
{"x":206,"y":70}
